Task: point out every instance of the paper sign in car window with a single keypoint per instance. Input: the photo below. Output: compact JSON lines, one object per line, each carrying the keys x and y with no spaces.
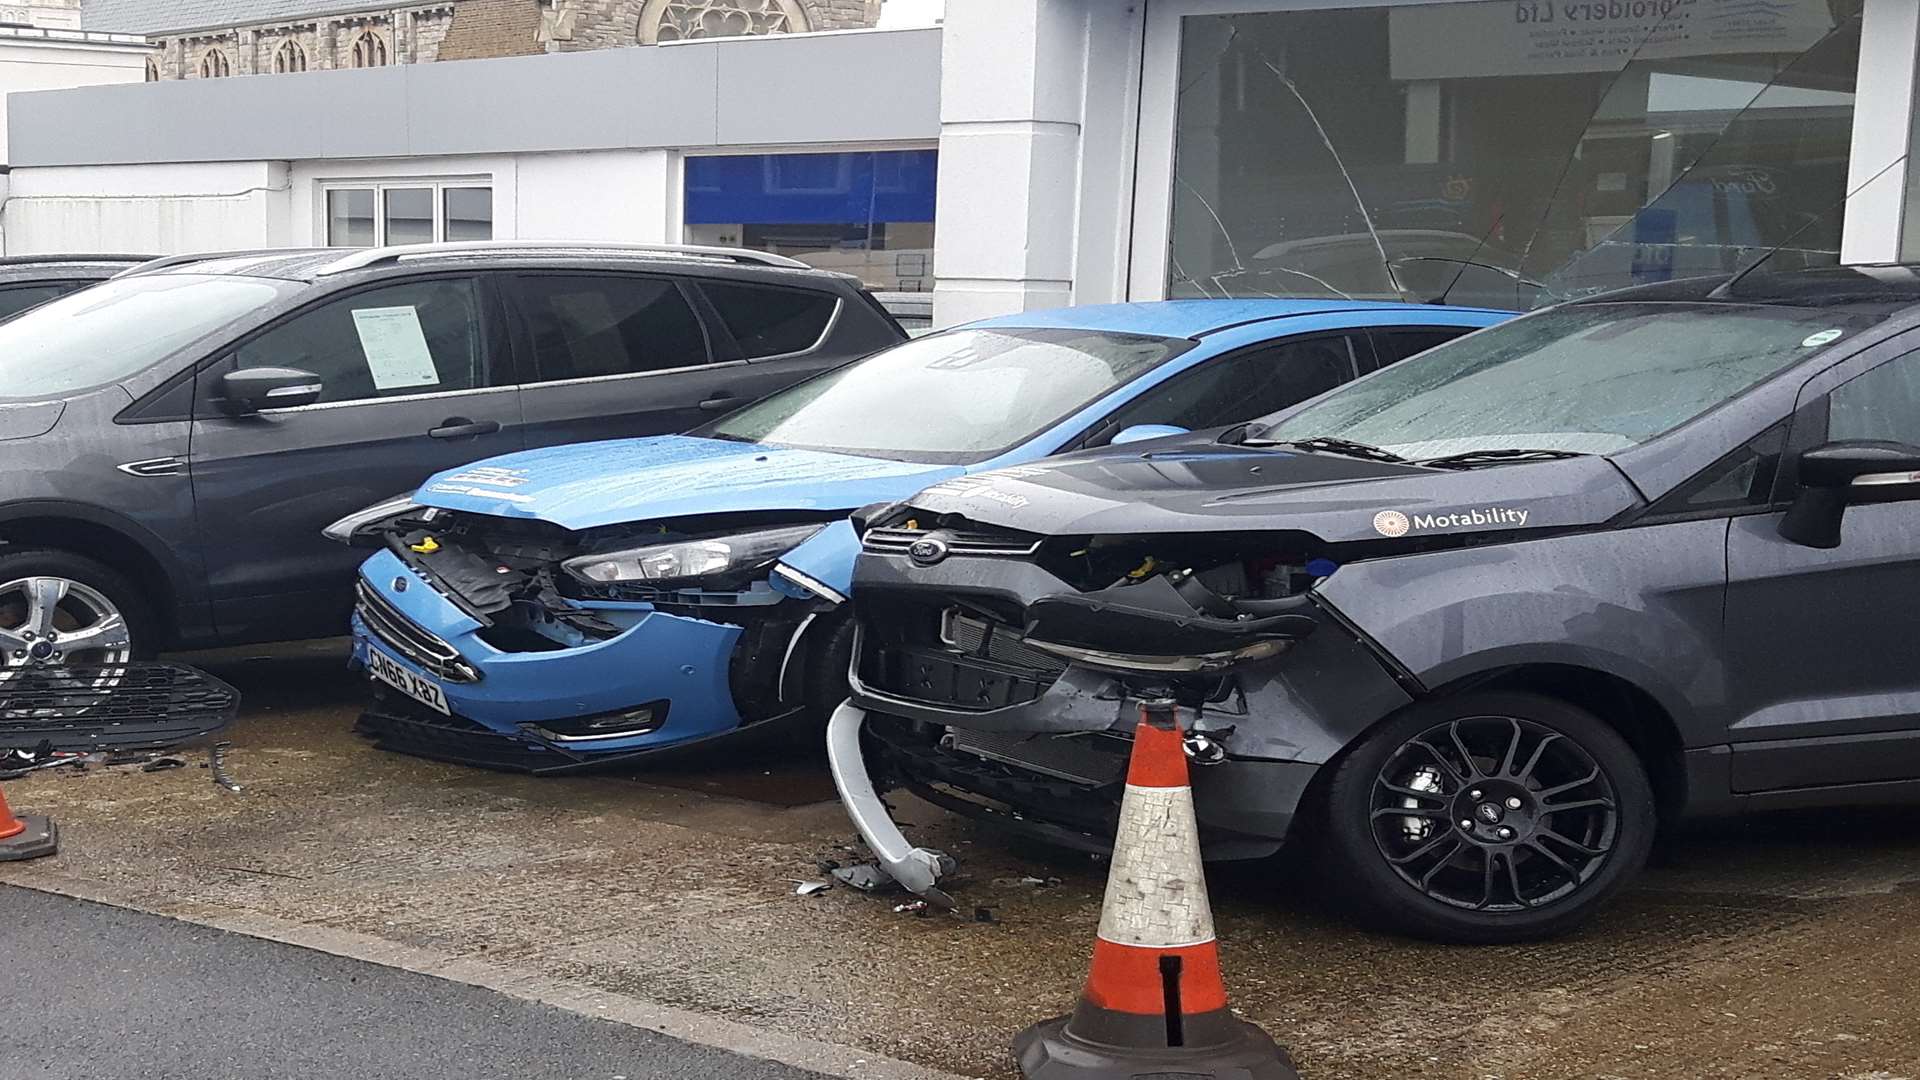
{"x":395,"y":347}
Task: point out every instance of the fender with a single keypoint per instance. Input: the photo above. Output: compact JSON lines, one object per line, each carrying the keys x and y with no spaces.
{"x":1640,"y":604}
{"x":185,"y":585}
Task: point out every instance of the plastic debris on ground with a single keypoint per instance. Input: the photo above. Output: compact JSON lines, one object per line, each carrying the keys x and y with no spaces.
{"x":867,"y":877}
{"x":812,"y":888}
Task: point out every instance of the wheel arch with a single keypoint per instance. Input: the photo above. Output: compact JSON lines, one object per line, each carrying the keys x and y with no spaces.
{"x":107,"y":538}
{"x":1629,"y":709}
{"x":1649,"y":728}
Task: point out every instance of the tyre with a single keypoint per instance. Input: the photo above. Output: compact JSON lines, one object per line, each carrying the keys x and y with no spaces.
{"x":1488,"y":818}
{"x":828,"y":655}
{"x":57,"y":608}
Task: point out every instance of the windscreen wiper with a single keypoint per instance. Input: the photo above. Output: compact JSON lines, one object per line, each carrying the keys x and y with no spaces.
{"x":1470,"y":458}
{"x":1327,"y":444}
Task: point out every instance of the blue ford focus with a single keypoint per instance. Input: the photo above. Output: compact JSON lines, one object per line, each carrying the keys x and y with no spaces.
{"x":558,"y":607}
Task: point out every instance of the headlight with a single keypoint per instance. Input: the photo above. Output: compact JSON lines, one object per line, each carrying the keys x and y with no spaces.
{"x":689,"y":558}
{"x":344,"y":529}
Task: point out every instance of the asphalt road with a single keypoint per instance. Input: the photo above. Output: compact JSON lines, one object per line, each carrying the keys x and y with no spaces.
{"x":101,"y":993}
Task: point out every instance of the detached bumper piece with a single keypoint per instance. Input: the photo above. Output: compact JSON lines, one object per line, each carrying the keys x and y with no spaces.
{"x":402,"y":729}
{"x":399,"y":726}
{"x":138,"y":706}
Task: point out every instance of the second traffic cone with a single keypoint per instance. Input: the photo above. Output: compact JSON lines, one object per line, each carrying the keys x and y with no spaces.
{"x":25,"y":836}
{"x":1154,"y":1003}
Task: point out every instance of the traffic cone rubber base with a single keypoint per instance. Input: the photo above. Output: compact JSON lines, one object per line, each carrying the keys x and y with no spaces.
{"x":38,"y":837}
{"x":1237,"y":1050}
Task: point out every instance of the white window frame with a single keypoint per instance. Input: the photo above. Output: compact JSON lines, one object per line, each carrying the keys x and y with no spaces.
{"x":1882,"y":128}
{"x":438,"y":185}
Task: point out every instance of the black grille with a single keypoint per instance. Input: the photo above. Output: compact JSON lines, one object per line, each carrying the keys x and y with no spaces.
{"x":111,"y":706}
{"x":970,"y":540}
{"x":1083,"y":759}
{"x":956,"y":660}
{"x":410,"y":639}
{"x":1003,"y":645}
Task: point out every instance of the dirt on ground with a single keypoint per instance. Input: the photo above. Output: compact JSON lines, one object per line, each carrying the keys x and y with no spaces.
{"x":1782,"y":947}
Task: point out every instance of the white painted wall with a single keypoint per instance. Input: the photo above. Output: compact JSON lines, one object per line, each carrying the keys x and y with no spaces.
{"x":40,"y":65}
{"x":1038,"y":102}
{"x":626,"y":195}
{"x":142,"y":208}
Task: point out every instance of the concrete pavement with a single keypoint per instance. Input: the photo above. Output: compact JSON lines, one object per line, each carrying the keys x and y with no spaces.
{"x":100,"y":993}
{"x":1782,"y":947}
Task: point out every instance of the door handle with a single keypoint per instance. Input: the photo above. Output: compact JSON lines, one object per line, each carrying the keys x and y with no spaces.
{"x":718,"y":402}
{"x":459,"y":427}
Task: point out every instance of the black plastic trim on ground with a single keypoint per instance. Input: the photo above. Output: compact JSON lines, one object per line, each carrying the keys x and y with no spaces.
{"x":144,"y":705}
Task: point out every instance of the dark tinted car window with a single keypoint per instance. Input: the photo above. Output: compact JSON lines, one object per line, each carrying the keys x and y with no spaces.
{"x":417,"y":338}
{"x":19,"y":298}
{"x":1242,"y":386}
{"x":584,"y":327}
{"x":770,"y":321}
{"x":1394,"y":346}
{"x":1883,"y":403}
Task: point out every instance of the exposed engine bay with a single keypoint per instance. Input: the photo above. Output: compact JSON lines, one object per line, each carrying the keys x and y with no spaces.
{"x":531,"y":584}
{"x":1166,"y":604}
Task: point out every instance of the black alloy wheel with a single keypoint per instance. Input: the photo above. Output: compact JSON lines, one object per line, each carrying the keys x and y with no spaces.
{"x":1490,"y":818}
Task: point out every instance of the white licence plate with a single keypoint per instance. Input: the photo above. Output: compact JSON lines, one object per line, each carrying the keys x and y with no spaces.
{"x":418,"y":687}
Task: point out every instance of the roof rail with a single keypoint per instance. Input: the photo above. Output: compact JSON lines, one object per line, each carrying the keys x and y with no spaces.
{"x":79,"y":256}
{"x":167,"y":262}
{"x":376,"y":256}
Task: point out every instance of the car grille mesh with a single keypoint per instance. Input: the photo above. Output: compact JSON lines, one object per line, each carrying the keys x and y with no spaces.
{"x":410,"y":639}
{"x":976,"y":540}
{"x":953,"y":660}
{"x":1002,"y":645}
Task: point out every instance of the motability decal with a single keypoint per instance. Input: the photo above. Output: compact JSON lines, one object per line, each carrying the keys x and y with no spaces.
{"x":1393,"y":523}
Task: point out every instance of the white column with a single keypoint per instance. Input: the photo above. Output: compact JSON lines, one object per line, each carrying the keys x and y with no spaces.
{"x":1882,"y":127}
{"x":1012,"y":83}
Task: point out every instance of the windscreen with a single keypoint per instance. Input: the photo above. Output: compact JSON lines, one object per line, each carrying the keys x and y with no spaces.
{"x":118,"y":328}
{"x":1583,"y":378}
{"x":956,"y":397}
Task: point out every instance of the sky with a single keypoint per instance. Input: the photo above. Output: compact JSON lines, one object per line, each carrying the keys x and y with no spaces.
{"x":911,"y":12}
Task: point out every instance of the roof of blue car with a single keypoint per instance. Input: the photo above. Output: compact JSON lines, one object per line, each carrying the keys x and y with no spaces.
{"x":1186,"y":318}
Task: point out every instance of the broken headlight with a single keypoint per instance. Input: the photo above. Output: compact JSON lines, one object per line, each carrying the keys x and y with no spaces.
{"x":348,"y":529}
{"x":686,"y":559}
{"x":1199,"y":662}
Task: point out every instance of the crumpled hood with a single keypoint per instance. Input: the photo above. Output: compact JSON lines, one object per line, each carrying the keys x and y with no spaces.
{"x":588,"y":485}
{"x":1338,"y":499}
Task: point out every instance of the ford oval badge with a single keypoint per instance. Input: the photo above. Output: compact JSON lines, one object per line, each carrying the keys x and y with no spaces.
{"x":927,"y":551}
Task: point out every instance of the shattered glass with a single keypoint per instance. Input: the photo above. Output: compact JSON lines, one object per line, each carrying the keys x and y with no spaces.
{"x":1509,"y":153}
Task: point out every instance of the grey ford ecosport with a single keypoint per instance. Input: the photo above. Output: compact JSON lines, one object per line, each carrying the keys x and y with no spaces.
{"x":1472,"y":624}
{"x":172,"y":441}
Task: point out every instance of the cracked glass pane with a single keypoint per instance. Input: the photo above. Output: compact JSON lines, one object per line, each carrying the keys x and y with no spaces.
{"x":1507,"y":152}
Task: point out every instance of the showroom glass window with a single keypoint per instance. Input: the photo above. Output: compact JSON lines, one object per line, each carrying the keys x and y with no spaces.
{"x":366,"y":214}
{"x":868,"y":213}
{"x":1507,"y":152}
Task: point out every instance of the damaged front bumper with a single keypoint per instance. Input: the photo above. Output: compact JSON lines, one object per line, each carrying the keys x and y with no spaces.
{"x":987,"y":722}
{"x":663,"y":681}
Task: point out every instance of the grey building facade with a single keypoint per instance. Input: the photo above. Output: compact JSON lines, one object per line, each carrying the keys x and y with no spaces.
{"x":200,"y":39}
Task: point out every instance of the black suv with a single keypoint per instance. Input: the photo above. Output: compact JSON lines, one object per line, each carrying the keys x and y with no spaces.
{"x":27,"y":281}
{"x":176,"y":438}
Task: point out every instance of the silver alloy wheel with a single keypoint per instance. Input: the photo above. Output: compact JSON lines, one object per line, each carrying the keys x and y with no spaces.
{"x":48,"y":621}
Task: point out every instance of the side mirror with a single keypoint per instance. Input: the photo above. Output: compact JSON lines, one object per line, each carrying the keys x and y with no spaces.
{"x":1839,"y":473}
{"x":1142,"y":432}
{"x":251,"y":389}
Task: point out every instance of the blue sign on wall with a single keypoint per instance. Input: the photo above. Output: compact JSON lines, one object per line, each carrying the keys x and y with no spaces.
{"x":811,"y":189}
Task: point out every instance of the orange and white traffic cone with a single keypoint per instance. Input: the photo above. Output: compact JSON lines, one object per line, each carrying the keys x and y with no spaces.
{"x":25,"y":836}
{"x":1154,"y":1003}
